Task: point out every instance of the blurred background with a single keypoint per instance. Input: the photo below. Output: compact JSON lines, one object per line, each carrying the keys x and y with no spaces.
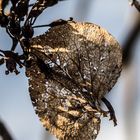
{"x":119,"y":18}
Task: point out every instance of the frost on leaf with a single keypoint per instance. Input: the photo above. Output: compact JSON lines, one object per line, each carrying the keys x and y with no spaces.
{"x":72,"y":67}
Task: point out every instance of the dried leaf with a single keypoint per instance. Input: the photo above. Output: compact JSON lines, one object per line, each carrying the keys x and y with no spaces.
{"x":3,"y":4}
{"x":72,"y":66}
{"x":40,"y":6}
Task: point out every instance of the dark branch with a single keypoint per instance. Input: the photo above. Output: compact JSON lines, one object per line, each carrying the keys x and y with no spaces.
{"x":136,"y":4}
{"x":54,"y":23}
{"x":129,"y":42}
{"x":4,"y":132}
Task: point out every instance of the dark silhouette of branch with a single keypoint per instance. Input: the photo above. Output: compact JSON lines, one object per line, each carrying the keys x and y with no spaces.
{"x":129,"y":42}
{"x":4,"y":132}
{"x":82,"y":9}
{"x":136,"y":4}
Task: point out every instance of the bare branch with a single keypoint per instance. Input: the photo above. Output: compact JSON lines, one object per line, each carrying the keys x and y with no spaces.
{"x":4,"y":132}
{"x":136,"y":4}
{"x":130,"y":39}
